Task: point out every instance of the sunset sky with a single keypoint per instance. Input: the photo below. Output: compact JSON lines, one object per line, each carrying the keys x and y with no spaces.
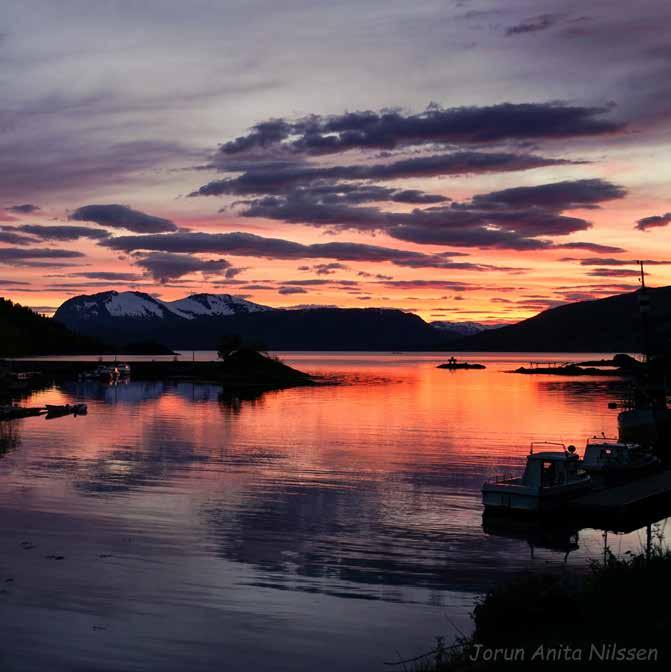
{"x":465,"y":160}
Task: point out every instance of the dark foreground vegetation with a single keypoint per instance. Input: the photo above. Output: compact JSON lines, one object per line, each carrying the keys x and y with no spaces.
{"x":25,"y":333}
{"x":614,"y":616}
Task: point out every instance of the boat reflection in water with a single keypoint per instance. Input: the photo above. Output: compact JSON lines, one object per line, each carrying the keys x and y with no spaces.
{"x":563,"y":535}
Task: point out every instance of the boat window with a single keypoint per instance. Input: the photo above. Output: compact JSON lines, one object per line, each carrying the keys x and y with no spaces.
{"x":549,"y":474}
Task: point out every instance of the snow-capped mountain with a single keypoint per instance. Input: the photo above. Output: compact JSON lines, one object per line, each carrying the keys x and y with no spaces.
{"x":138,"y":305}
{"x":115,"y":304}
{"x":461,"y":328}
{"x":198,"y":305}
{"x":198,"y":322}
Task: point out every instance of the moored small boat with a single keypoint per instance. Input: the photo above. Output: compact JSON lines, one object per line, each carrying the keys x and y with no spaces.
{"x":610,"y":457}
{"x":66,"y":409}
{"x":550,"y":479}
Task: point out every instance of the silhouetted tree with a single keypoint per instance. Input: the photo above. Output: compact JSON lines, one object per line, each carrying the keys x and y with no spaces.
{"x":227,"y":345}
{"x":232,"y":343}
{"x":24,"y":333}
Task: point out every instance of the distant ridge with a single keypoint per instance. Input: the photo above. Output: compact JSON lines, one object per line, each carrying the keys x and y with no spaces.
{"x":198,"y":321}
{"x":602,"y":325}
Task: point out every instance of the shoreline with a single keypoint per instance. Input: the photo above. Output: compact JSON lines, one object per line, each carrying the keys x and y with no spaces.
{"x":243,"y":371}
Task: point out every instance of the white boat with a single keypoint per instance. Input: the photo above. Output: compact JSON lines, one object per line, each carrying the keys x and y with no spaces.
{"x":606,"y":456}
{"x":551,"y":478}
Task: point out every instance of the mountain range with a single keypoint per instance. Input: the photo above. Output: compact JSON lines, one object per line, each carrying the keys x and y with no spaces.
{"x":199,"y":321}
{"x":612,"y":324}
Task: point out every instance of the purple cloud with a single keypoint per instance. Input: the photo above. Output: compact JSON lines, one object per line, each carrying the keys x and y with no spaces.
{"x":23,"y":209}
{"x":165,"y":266}
{"x":62,"y":232}
{"x":653,"y":221}
{"x":390,"y":129}
{"x":122,"y":217}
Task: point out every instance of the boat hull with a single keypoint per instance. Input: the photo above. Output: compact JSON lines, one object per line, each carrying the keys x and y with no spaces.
{"x":522,"y":499}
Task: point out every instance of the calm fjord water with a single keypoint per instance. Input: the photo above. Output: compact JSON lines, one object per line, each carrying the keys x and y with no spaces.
{"x":177,"y":527}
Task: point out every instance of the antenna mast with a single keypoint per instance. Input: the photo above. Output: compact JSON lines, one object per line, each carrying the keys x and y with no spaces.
{"x":644,"y":309}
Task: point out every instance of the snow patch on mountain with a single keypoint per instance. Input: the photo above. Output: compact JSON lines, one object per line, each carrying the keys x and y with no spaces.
{"x":214,"y":304}
{"x":462,"y":328}
{"x":134,"y":304}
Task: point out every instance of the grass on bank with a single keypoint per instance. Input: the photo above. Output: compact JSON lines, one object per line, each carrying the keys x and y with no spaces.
{"x":622,"y":603}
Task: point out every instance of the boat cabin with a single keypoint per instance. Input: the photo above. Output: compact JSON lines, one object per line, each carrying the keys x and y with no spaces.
{"x":610,"y":455}
{"x":551,"y":477}
{"x":547,"y":469}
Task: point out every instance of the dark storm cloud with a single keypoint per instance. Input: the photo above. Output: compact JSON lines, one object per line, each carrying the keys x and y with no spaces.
{"x":248,"y":244}
{"x":164,"y":266}
{"x":279,"y":177}
{"x":534,"y":25}
{"x":23,"y":209}
{"x":315,"y":135}
{"x":62,"y":232}
{"x":555,"y":196}
{"x":122,"y":217}
{"x":653,"y":221}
